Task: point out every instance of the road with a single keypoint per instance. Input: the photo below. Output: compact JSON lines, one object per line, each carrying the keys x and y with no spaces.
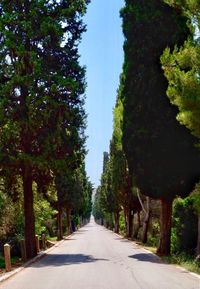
{"x":95,"y":258}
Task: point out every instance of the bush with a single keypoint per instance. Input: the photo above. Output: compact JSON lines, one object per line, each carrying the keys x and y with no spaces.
{"x":44,"y":215}
{"x":184,"y":229}
{"x":185,"y":261}
{"x":122,"y":225}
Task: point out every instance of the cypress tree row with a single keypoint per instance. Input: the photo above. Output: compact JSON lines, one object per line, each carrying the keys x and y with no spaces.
{"x":160,"y":153}
{"x":116,"y":192}
{"x":41,"y":93}
{"x":182,"y":68}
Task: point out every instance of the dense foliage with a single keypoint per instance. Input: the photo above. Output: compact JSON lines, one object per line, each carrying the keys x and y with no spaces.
{"x":181,"y":68}
{"x":42,"y":119}
{"x":160,"y":153}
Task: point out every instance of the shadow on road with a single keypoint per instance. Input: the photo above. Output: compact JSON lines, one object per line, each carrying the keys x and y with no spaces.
{"x":68,"y":239}
{"x":80,"y":232}
{"x":122,"y":240}
{"x":145,"y":257}
{"x":55,"y":260}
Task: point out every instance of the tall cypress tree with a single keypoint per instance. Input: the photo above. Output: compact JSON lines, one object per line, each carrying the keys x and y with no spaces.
{"x":122,"y":184}
{"x":41,"y":88}
{"x":182,"y":68}
{"x":160,"y":153}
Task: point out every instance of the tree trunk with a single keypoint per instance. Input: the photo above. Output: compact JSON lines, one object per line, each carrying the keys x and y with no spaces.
{"x":165,"y":227}
{"x":146,"y":222}
{"x":125,"y":220}
{"x":59,"y":224}
{"x":198,"y":240}
{"x":117,"y":222}
{"x":129,"y":232}
{"x":29,"y":212}
{"x":81,"y":221}
{"x":136,"y":231}
{"x":68,"y":213}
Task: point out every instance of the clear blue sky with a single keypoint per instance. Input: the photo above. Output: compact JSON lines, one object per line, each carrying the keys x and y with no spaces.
{"x":101,"y":51}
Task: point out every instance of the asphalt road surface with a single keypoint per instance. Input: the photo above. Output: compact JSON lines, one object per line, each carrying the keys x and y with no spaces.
{"x":95,"y":258}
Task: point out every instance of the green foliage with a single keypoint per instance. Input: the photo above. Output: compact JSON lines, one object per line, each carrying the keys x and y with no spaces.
{"x":97,"y":209}
{"x":11,"y":217}
{"x":108,"y":198}
{"x":185,"y":261}
{"x":2,"y":262}
{"x":184,"y":229}
{"x":74,"y":191}
{"x":195,"y":196}
{"x":42,"y":85}
{"x":118,"y":163}
{"x":181,"y":69}
{"x":105,"y":203}
{"x":122,"y":224}
{"x":154,"y":233}
{"x":44,"y":215}
{"x":152,"y":137}
{"x":28,"y":95}
{"x":14,"y":260}
{"x":86,"y":206}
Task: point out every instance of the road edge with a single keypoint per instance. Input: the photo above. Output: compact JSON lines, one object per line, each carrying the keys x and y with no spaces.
{"x":39,"y":256}
{"x":156,"y":256}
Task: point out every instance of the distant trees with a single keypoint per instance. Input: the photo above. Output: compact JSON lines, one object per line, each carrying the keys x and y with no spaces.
{"x":74,"y":194}
{"x":115,"y":192}
{"x":42,"y":119}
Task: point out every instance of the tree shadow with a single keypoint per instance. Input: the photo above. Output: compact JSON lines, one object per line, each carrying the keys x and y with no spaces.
{"x":69,"y":239}
{"x":146,"y":257}
{"x":122,"y":240}
{"x":56,"y":260}
{"x":80,"y":231}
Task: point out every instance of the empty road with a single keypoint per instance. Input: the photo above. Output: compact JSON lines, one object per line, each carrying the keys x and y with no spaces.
{"x":95,"y":258}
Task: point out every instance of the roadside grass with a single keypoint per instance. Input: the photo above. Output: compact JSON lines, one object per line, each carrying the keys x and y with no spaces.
{"x":52,"y":239}
{"x":182,"y":260}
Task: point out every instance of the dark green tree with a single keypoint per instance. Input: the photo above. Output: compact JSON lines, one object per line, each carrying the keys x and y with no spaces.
{"x":184,"y":225}
{"x":97,"y":209}
{"x":122,"y":185}
{"x":107,"y":197}
{"x":69,"y":187}
{"x":41,"y":88}
{"x":182,"y":68}
{"x":160,"y":153}
{"x":86,"y":205}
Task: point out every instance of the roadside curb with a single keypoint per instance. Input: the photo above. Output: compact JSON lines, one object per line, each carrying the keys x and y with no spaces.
{"x":40,"y":255}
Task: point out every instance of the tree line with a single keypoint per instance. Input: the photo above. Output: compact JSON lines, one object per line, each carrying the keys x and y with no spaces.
{"x":154,"y":151}
{"x":42,"y":117}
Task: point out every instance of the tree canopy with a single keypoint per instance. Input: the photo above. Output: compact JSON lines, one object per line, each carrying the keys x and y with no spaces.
{"x":42,"y":84}
{"x":161,"y":154}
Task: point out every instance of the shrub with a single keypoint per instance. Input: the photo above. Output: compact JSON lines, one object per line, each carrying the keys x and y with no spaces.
{"x":184,"y":230}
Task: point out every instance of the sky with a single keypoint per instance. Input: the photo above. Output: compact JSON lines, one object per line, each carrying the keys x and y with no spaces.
{"x":101,"y":52}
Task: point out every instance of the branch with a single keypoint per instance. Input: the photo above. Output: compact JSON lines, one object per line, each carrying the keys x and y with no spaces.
{"x":140,"y":200}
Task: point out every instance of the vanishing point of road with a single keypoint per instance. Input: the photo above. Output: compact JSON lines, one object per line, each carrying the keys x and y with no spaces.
{"x":95,"y":258}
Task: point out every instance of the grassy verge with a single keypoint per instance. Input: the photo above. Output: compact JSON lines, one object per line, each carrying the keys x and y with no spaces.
{"x":52,"y":239}
{"x":182,"y":260}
